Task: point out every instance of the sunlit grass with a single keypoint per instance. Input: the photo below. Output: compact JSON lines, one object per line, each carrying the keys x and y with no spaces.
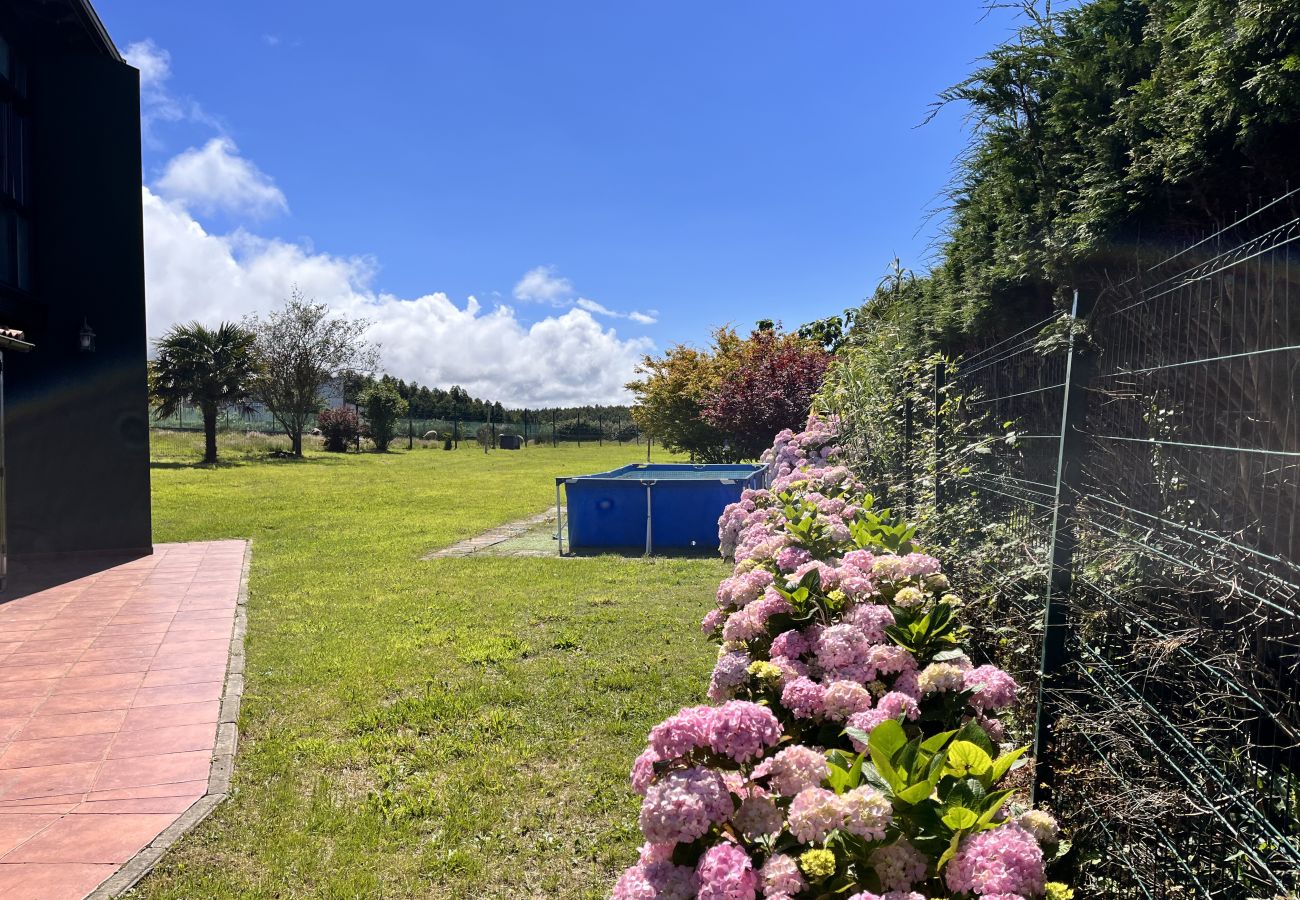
{"x":447,"y":728}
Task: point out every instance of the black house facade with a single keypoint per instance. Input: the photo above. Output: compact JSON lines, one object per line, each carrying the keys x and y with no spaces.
{"x":74,"y":413}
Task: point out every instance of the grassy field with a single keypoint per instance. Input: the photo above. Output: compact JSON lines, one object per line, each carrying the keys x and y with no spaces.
{"x":456,"y":728}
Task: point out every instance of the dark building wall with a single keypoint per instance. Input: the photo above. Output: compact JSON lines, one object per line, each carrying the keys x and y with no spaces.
{"x":77,"y":439}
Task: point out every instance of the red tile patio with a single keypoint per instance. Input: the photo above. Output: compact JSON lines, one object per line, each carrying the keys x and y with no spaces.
{"x":111,"y":684}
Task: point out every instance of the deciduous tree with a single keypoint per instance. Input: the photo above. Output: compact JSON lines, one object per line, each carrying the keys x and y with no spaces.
{"x":300,"y":349}
{"x":766,"y":386}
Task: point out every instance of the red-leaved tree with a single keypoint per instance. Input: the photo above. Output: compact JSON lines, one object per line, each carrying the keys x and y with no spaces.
{"x":766,"y":386}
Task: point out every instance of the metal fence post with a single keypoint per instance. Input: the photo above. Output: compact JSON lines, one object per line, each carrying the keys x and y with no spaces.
{"x":909,"y":503}
{"x":1078,"y":369}
{"x":940,"y":374}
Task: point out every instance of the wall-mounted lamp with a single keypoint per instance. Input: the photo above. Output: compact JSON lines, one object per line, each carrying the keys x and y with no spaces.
{"x":86,"y":338}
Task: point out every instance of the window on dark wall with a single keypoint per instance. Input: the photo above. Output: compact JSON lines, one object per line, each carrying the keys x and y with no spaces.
{"x":15,"y":174}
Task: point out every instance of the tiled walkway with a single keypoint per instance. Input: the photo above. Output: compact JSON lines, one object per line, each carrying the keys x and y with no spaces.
{"x":110,"y":695}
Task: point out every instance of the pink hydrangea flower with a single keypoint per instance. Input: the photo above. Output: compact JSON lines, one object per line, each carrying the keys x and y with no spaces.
{"x":996,"y":731}
{"x":729,"y":673}
{"x":993,"y":688}
{"x":743,"y":730}
{"x":743,"y":588}
{"x":643,"y":770}
{"x":859,"y":559}
{"x":712,"y":621}
{"x":841,"y":646}
{"x":872,"y":618}
{"x":789,"y":643}
{"x":805,"y":698}
{"x":751,"y":622}
{"x":889,"y":659}
{"x":794,"y":769}
{"x":790,"y":668}
{"x":792,"y":558}
{"x":891,"y":895}
{"x":865,"y":722}
{"x":844,"y":698}
{"x":867,"y":813}
{"x":899,"y":865}
{"x":1002,"y":860}
{"x":781,"y":875}
{"x":895,"y":704}
{"x":941,"y":677}
{"x":656,"y":881}
{"x":679,"y":734}
{"x":815,"y":813}
{"x":908,"y":683}
{"x":680,"y":807}
{"x":726,"y":872}
{"x":757,"y":816}
{"x":742,"y":625}
{"x":829,"y":576}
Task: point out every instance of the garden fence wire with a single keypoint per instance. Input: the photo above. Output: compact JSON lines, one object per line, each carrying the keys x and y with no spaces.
{"x":1145,"y":482}
{"x":540,"y":427}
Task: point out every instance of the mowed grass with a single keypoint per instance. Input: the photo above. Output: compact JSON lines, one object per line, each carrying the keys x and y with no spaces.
{"x":457,"y":728}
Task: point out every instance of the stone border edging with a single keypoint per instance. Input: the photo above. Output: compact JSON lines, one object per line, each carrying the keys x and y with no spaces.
{"x":223,"y":758}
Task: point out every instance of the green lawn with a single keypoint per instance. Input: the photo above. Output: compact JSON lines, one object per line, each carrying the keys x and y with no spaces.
{"x":456,"y":728}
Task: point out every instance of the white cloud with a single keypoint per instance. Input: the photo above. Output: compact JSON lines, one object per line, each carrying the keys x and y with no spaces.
{"x":154,"y":63}
{"x":599,"y":309}
{"x":543,"y":284}
{"x":216,"y":178}
{"x":567,"y":358}
{"x":157,"y":102}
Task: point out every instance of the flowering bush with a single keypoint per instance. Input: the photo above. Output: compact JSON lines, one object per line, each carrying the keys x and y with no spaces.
{"x":854,"y":751}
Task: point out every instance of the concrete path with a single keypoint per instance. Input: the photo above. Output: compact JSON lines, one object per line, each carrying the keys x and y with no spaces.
{"x":111,"y":690}
{"x":490,"y":542}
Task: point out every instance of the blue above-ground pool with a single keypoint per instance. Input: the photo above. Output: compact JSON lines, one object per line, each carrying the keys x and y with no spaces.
{"x":659,"y":505}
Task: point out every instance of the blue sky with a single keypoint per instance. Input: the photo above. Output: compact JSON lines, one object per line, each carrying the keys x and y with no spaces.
{"x":694,"y":164}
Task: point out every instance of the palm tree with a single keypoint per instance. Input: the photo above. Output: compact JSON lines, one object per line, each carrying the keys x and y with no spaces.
{"x":210,"y":368}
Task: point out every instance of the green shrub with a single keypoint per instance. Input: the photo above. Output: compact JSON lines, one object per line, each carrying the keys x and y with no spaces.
{"x":383,"y":406}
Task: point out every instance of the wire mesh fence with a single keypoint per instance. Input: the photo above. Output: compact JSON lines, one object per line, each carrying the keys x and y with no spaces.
{"x":538,"y":427}
{"x":1143,"y":500}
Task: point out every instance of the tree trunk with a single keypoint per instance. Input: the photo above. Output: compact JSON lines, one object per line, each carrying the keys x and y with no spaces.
{"x":209,"y":433}
{"x":295,"y":439}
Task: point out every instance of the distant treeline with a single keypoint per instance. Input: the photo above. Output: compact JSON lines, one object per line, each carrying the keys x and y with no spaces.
{"x":456,"y":404}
